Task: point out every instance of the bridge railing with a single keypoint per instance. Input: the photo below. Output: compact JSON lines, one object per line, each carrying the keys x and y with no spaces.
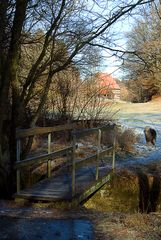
{"x":43,"y":158}
{"x":76,"y":134}
{"x":70,"y":150}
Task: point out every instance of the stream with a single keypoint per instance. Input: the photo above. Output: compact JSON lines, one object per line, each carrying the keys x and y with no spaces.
{"x":145,"y":154}
{"x":136,"y":185}
{"x":45,"y":229}
{"x":123,"y":197}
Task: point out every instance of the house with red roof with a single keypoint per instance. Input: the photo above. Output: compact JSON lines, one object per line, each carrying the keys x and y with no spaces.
{"x":108,"y":86}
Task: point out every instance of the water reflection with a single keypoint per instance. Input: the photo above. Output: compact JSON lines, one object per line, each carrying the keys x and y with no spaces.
{"x":45,"y":229}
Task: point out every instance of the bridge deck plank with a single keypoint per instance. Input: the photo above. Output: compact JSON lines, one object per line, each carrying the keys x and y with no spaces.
{"x":58,"y":188}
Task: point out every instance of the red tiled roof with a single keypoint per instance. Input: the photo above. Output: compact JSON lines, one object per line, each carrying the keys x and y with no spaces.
{"x":106,"y":80}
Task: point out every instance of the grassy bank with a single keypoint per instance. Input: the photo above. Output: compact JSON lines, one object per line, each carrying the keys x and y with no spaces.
{"x":148,"y":107}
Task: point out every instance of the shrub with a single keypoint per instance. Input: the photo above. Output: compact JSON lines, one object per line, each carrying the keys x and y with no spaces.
{"x":126,"y":139}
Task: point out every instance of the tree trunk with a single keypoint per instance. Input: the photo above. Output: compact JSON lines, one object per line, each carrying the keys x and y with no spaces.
{"x":8,"y":78}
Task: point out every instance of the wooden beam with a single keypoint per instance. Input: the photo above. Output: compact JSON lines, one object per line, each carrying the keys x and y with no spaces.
{"x":114,"y":150}
{"x":107,"y":127}
{"x":41,"y":197}
{"x":85,"y":161}
{"x":98,"y":153}
{"x":73,"y":164}
{"x":85,"y":195}
{"x":84,"y":132}
{"x":22,"y":133}
{"x":49,"y":151}
{"x":18,"y":174}
{"x":41,"y":159}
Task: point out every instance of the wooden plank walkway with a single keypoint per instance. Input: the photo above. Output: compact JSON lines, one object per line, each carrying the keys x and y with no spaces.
{"x":59,"y":188}
{"x":82,"y":177}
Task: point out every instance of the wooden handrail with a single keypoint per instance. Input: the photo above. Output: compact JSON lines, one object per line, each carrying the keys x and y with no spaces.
{"x":22,"y":133}
{"x":76,"y":134}
{"x":42,"y":158}
{"x":84,"y":132}
{"x":82,"y":162}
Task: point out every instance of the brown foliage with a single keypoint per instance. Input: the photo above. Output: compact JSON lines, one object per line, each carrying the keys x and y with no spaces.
{"x":125,"y":139}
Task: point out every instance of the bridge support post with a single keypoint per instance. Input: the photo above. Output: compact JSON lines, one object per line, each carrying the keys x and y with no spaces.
{"x":49,"y":151}
{"x":98,"y":153}
{"x":18,"y":175}
{"x":114,"y":149}
{"x":73,"y":164}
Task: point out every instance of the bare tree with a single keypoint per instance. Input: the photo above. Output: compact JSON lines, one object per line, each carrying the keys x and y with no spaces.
{"x":144,"y":66}
{"x":63,"y":94}
{"x":69,"y":28}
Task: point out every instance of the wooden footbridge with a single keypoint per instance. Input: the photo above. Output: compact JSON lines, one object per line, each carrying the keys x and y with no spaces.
{"x":78,"y":179}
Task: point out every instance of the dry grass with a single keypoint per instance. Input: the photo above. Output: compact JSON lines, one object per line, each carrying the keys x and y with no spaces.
{"x":125,"y":139}
{"x":128,"y":227}
{"x":121,"y":194}
{"x":148,"y":107}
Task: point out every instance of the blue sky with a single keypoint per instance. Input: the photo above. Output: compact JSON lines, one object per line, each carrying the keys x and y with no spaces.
{"x":112,"y":64}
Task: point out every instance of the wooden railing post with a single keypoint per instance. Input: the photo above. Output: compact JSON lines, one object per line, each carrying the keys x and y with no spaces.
{"x":98,"y":153}
{"x":30,"y":176}
{"x":49,"y":151}
{"x":114,"y":149}
{"x":73,"y":164}
{"x":18,"y":177}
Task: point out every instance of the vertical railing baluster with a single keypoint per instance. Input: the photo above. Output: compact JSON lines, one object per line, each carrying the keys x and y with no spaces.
{"x":73,"y":164}
{"x":49,"y":151}
{"x":18,"y":178}
{"x":114,"y":149}
{"x":30,"y":176}
{"x":98,"y":153}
